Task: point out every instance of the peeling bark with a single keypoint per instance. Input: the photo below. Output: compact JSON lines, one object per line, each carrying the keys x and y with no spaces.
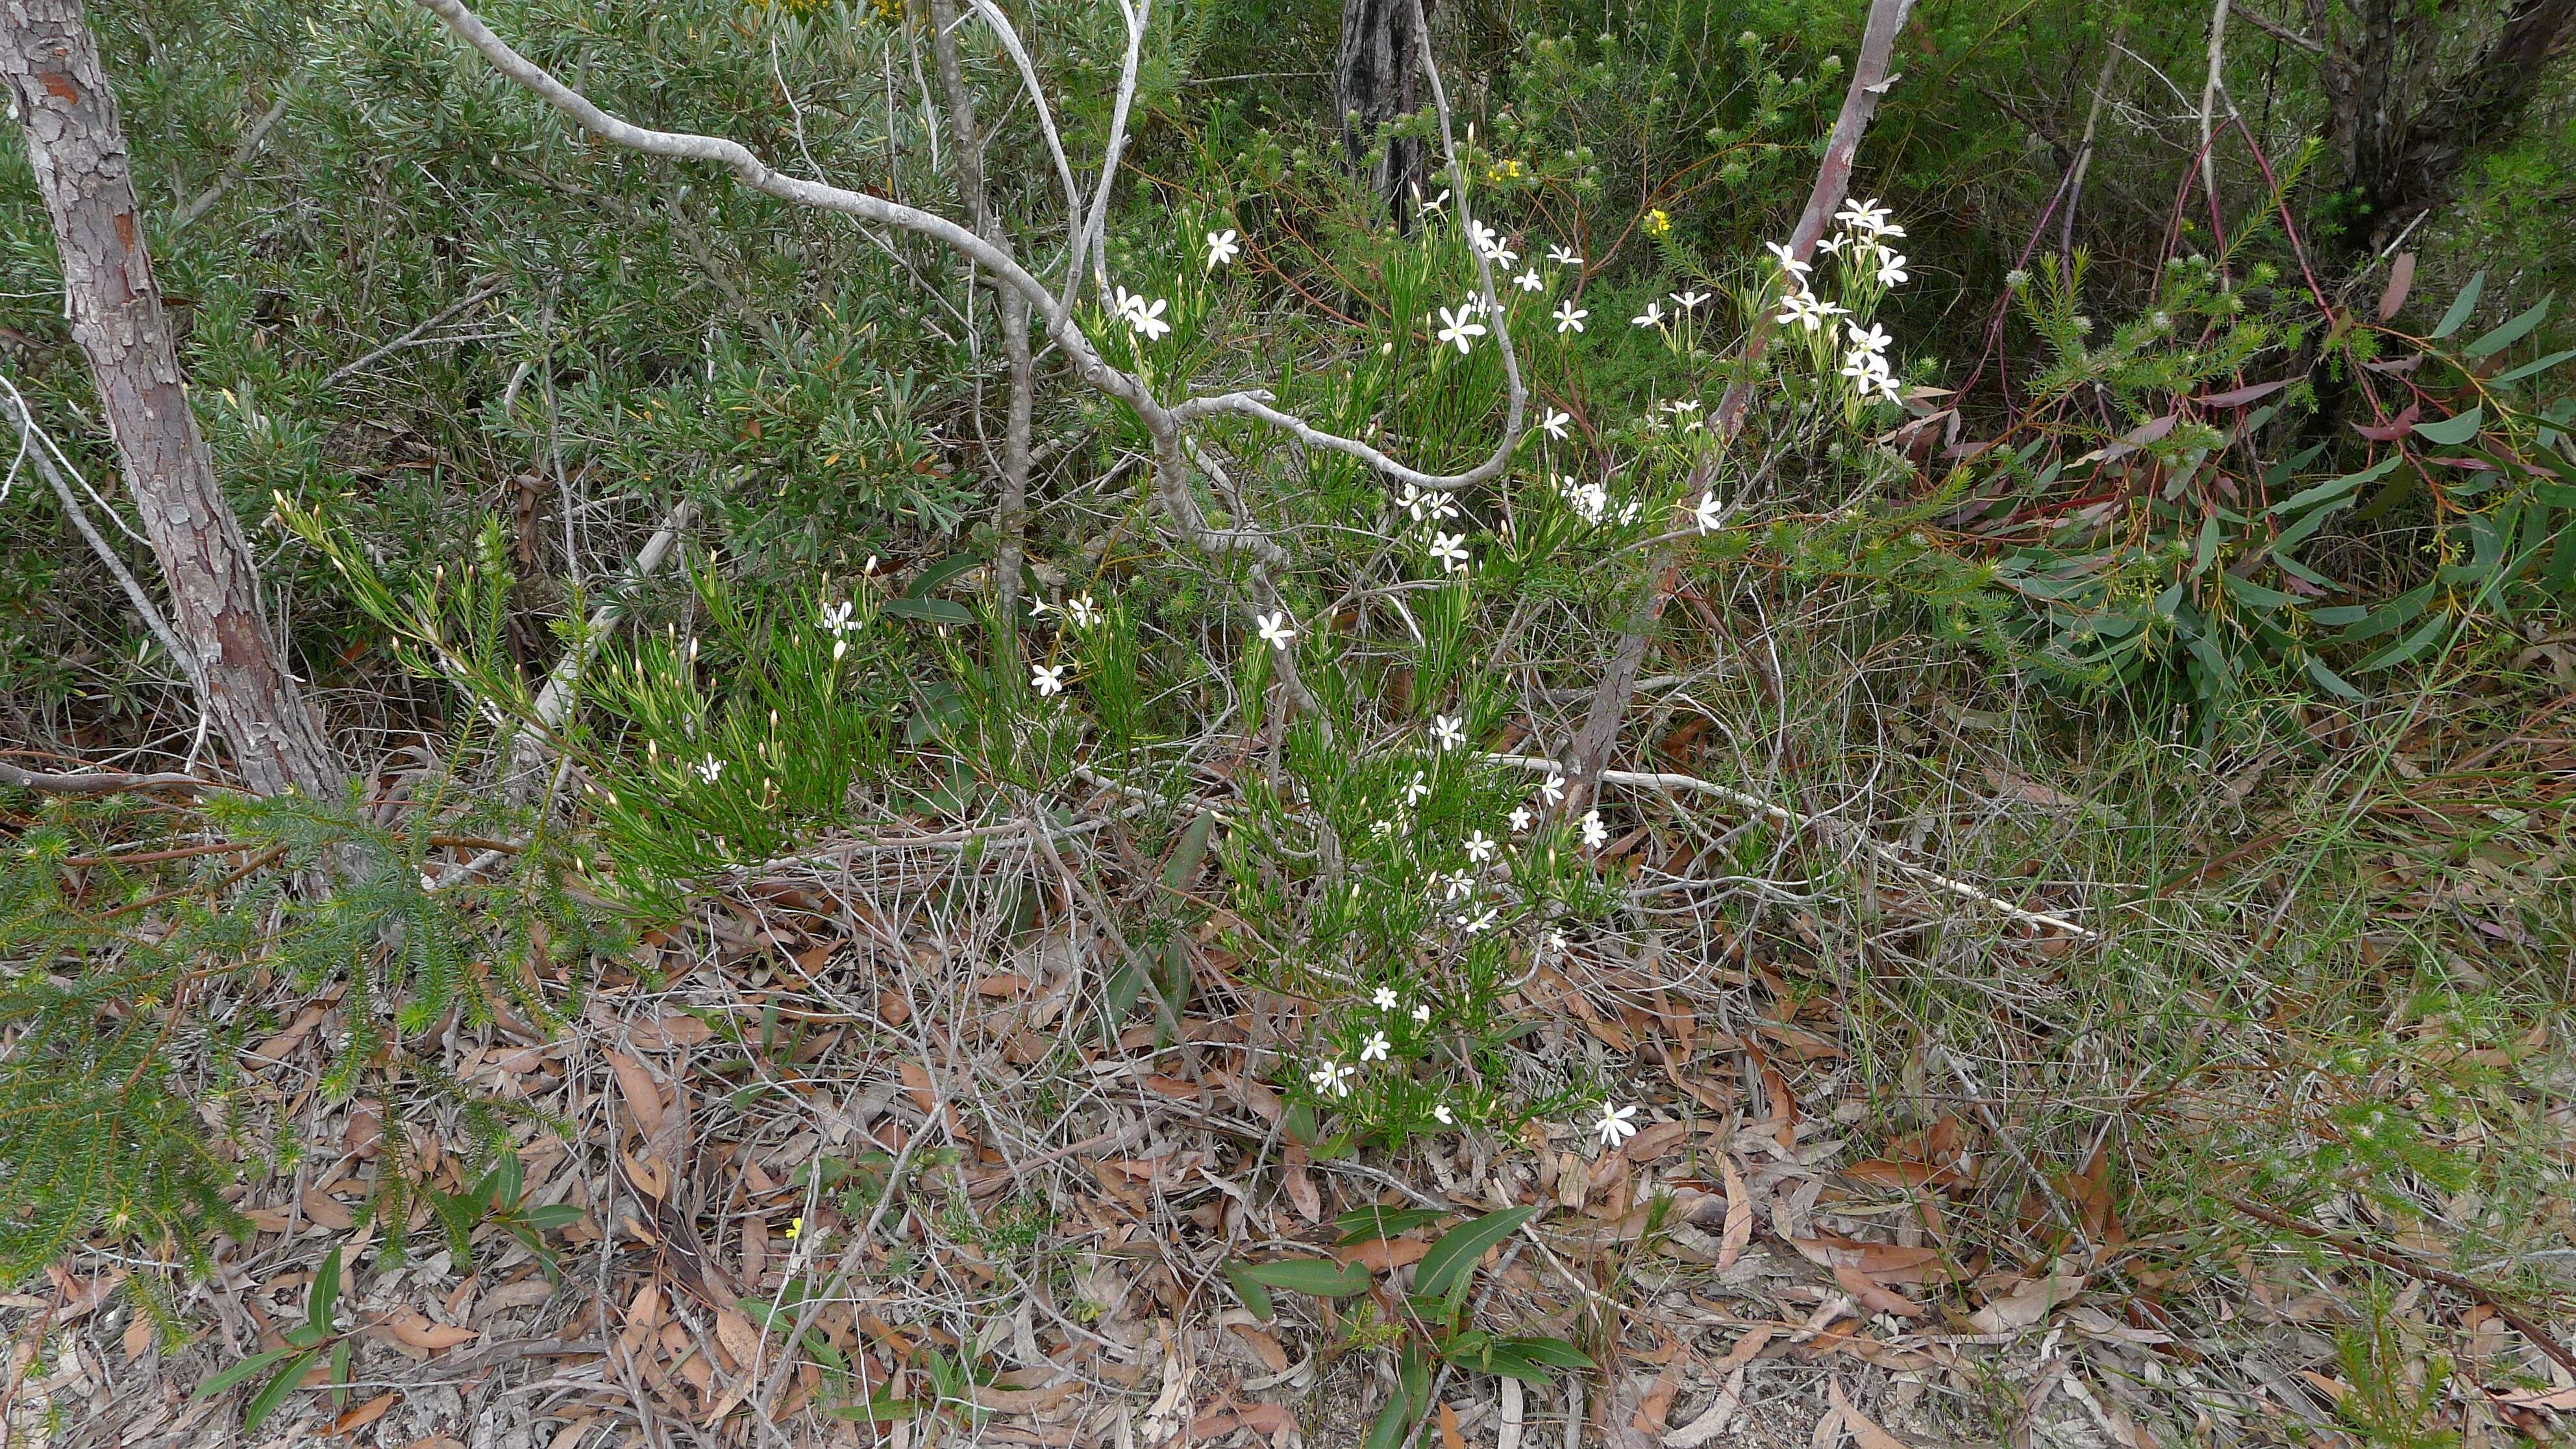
{"x":50,"y":65}
{"x":1375,"y":80}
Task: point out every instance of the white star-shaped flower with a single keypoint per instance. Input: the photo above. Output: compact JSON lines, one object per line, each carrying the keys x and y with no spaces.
{"x":1456,"y":885}
{"x":1480,"y":847}
{"x":1482,"y":237}
{"x":1653,"y":316}
{"x":1891,"y":267}
{"x":1788,"y":261}
{"x":1047,"y":679}
{"x":1689,"y":300}
{"x":1865,"y":216}
{"x":1554,"y":422}
{"x":1374,"y":1049}
{"x":1449,"y":730}
{"x":1459,"y":327}
{"x":1442,"y":1114}
{"x":1147,"y":318}
{"x":1520,"y":819}
{"x":1552,"y":789}
{"x":1530,"y":281}
{"x":1478,"y":924}
{"x":1706,"y":513}
{"x":1384,"y":1000}
{"x":1276,"y":631}
{"x":1334,"y":1077}
{"x":1449,"y":550}
{"x":840,"y":618}
{"x":1617,"y":1124}
{"x":1222,"y":247}
{"x":1802,"y":309}
{"x":1872,"y":338}
{"x":1080,"y":612}
{"x":709,"y":769}
{"x":1416,"y":789}
{"x":1595,"y":834}
{"x":1422,"y":1012}
{"x":1569,"y":318}
{"x":1563,"y":256}
{"x":1435,"y":204}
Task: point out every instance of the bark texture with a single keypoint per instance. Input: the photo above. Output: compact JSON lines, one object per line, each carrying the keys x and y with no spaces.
{"x":1375,"y":80}
{"x":2404,"y":130}
{"x":50,"y":66}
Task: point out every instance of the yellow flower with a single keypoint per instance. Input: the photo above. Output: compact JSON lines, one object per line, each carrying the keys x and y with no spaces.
{"x":794,"y":1226}
{"x":1658,"y":222}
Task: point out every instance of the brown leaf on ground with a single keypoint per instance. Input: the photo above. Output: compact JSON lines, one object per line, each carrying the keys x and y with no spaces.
{"x":1450,"y":1438}
{"x":1869,"y":1293}
{"x":1739,"y":1215}
{"x":2026,"y":1302}
{"x":1380,"y":1255}
{"x":635,"y":1088}
{"x":1657,"y":1405}
{"x":1863,"y":1431}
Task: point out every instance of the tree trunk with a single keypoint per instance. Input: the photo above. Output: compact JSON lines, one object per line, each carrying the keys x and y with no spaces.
{"x":50,"y":66}
{"x":1376,"y":80}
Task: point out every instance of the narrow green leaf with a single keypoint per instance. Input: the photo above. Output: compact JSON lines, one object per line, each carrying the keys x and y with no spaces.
{"x":1555,"y":1351}
{"x":2511,"y":332}
{"x":2406,"y":648}
{"x":1376,"y":1222}
{"x":1319,"y":1277}
{"x":930,"y":611}
{"x":319,"y":1309}
{"x":274,"y":1392}
{"x":2331,"y":682}
{"x":548,"y":1217}
{"x":2394,"y":614}
{"x":1455,"y":1255}
{"x":2461,"y":306}
{"x":1394,"y":1423}
{"x":931,"y":579}
{"x":2539,"y":366}
{"x":2453,"y":430}
{"x":1255,"y":1295}
{"x":306,"y":1335}
{"x":1191,"y":849}
{"x":2338,"y":487}
{"x":2253,"y":595}
{"x":239,"y":1372}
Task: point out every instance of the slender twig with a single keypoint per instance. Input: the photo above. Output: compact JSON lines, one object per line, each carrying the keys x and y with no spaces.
{"x":347,"y":370}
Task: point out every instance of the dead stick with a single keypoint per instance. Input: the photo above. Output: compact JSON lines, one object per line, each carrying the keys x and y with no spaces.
{"x":2388,"y":1258}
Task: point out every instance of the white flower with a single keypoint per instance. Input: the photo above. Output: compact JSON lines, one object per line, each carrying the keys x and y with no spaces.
{"x":1686,"y":412}
{"x":1449,"y":550}
{"x":1422,"y":1012}
{"x":840,"y":618}
{"x":1835,"y":243}
{"x":1047,"y":680}
{"x":1221,"y":247}
{"x":708,"y":769}
{"x":1456,"y":886}
{"x":1789,"y":262}
{"x":1434,"y":204}
{"x":1520,"y":819}
{"x":1334,"y":1077}
{"x":1276,"y":631}
{"x":1569,"y":318}
{"x":1563,"y":256}
{"x":1872,"y":338}
{"x":1801,"y":306}
{"x":1555,"y":422}
{"x":1891,"y":267}
{"x":1617,"y":1124}
{"x":1530,"y":281}
{"x":1706,"y":513}
{"x":1480,"y":847}
{"x":1416,"y":789}
{"x":1148,"y":319}
{"x":1590,"y":501}
{"x":1443,"y":1115}
{"x":1885,"y":385}
{"x":1552,"y":941}
{"x":1449,"y":730}
{"x":1374,"y":1049}
{"x":1595,"y":834}
{"x":1037,"y":608}
{"x":1481,"y":236}
{"x":1460,"y":326}
{"x":1478,"y":924}
{"x":1653,"y":316}
{"x":1864,"y":216}
{"x":1552,"y":789}
{"x":1690,"y":300}
{"x":1384,"y":1000}
{"x":1430,"y":507}
{"x":1081,"y":612}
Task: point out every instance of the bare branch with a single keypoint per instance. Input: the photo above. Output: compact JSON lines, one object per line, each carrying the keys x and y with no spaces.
{"x":100,"y":782}
{"x":34,"y":446}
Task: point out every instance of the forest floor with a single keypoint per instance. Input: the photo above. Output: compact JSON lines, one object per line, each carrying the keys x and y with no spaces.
{"x":1857,"y":1211}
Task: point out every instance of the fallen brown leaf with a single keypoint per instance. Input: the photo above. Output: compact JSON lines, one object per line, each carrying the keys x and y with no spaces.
{"x":363,"y":1415}
{"x":635,"y":1087}
{"x":1739,"y":1216}
{"x":1868,"y":1434}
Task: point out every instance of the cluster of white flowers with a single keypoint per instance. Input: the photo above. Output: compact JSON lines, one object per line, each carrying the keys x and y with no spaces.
{"x":1458,"y":327}
{"x":1864,"y":245}
{"x":1591,"y":503}
{"x":841,"y":621}
{"x":1334,"y":1076}
{"x":1140,"y":314}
